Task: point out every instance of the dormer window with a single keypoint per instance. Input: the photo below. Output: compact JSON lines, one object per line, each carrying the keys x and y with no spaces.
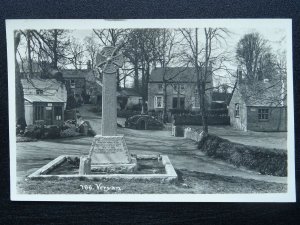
{"x":39,"y":91}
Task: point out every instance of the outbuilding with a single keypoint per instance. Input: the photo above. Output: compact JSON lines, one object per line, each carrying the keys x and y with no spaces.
{"x":44,"y":100}
{"x":259,"y":107}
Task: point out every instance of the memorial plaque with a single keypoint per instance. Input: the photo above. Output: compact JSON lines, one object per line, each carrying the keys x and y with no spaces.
{"x":109,"y":150}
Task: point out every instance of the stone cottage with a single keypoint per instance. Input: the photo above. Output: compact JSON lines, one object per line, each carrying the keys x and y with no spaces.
{"x":44,"y":99}
{"x":260,"y":106}
{"x":130,"y":97}
{"x":181,"y":89}
{"x":75,"y":81}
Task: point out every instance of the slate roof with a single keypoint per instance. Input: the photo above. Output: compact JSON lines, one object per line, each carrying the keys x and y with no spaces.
{"x":220,"y":96}
{"x":43,"y":98}
{"x":40,"y":83}
{"x":262,"y":94}
{"x":129,"y":92}
{"x":76,"y":73}
{"x":174,"y":74}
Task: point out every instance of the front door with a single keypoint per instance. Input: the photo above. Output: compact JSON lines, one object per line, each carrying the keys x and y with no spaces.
{"x":48,"y":115}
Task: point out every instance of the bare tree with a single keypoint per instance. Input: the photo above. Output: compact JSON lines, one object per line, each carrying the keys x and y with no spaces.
{"x":20,"y":111}
{"x":202,"y":58}
{"x":75,"y":53}
{"x":53,"y":44}
{"x":91,"y":48}
{"x":253,"y":54}
{"x":132,"y":53}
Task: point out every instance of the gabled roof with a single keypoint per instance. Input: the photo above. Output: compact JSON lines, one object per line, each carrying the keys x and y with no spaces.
{"x":173,"y":74}
{"x":43,"y":98}
{"x":70,"y":73}
{"x":129,"y":92}
{"x":40,"y":83}
{"x":220,"y":96}
{"x":263,"y":94}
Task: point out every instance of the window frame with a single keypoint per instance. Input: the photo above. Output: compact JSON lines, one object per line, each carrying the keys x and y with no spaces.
{"x":160,"y":88}
{"x":72,"y":83}
{"x":39,"y":112}
{"x":55,"y":110}
{"x":39,"y":92}
{"x":155,"y":102}
{"x":237,"y":110}
{"x":263,"y":114}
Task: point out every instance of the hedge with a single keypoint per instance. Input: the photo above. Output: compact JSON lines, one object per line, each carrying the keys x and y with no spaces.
{"x":263,"y":160}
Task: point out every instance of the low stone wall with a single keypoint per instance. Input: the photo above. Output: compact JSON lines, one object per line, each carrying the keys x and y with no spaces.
{"x":192,"y":134}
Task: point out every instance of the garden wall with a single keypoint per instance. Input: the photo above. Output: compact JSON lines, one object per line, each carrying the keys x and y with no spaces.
{"x":197,"y":120}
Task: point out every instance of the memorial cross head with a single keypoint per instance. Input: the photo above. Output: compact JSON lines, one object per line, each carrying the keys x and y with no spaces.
{"x":108,"y":60}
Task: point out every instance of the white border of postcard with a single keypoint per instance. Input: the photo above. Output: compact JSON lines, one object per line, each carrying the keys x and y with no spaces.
{"x":11,"y":25}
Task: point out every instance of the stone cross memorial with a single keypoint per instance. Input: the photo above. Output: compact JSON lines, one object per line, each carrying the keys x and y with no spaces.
{"x":109,"y":152}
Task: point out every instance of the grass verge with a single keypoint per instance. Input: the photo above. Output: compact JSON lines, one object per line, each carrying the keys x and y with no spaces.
{"x":189,"y":182}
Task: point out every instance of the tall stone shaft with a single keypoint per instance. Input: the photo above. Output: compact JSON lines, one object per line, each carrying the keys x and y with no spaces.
{"x":109,"y":105}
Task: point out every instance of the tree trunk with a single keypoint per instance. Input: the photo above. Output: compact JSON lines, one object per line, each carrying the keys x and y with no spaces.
{"x":55,"y":54}
{"x":20,"y":111}
{"x":136,"y":77}
{"x":165,"y":101}
{"x":203,"y":108}
{"x":143,"y":89}
{"x":178,"y":96}
{"x":29,"y":54}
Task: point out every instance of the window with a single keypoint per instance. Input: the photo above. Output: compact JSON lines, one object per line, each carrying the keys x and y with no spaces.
{"x":196,"y":91}
{"x":178,"y":88}
{"x":158,"y":102}
{"x":57,"y":112}
{"x":181,"y":103}
{"x":263,"y":114}
{"x":39,"y":92}
{"x":39,"y":112}
{"x":160,"y":88}
{"x":181,"y":88}
{"x":195,"y":102}
{"x":72,"y":83}
{"x":237,"y":110}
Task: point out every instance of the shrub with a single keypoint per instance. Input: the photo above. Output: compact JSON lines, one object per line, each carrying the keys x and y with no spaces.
{"x":25,"y":139}
{"x":70,"y":132}
{"x":127,"y":113}
{"x":52,"y":131}
{"x":71,"y":102}
{"x":34,"y":131}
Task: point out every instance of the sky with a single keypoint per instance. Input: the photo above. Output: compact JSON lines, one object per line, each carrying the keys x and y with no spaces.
{"x":275,"y":36}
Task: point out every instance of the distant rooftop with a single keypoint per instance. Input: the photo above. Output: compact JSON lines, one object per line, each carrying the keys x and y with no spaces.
{"x":174,"y":74}
{"x":40,"y":83}
{"x":263,"y":94}
{"x":71,"y":73}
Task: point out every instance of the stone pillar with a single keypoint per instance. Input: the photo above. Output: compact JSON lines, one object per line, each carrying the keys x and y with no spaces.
{"x":109,"y":105}
{"x":85,"y":165}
